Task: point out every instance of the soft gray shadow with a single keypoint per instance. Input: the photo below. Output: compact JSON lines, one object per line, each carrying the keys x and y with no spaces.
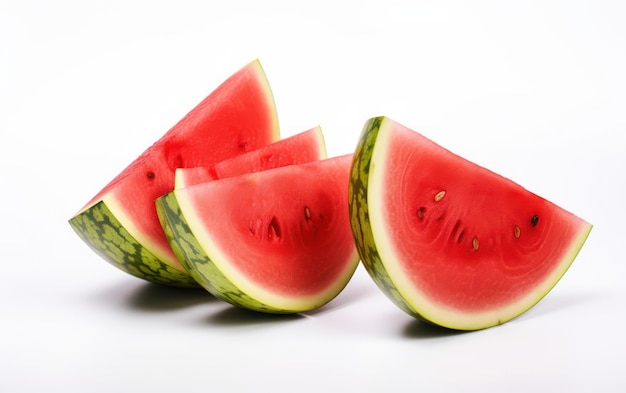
{"x":352,"y":293}
{"x":549,"y":305}
{"x":155,"y":297}
{"x":422,"y":330}
{"x":139,"y":295}
{"x":236,"y":316}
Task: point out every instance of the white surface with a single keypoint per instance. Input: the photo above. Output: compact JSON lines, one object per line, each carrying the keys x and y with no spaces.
{"x":533,"y":90}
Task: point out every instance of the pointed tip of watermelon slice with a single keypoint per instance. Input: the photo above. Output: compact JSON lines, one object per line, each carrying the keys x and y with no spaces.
{"x":274,"y":241}
{"x":238,"y":116}
{"x":451,"y":242}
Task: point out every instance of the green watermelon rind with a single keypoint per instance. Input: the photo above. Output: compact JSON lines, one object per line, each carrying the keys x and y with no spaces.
{"x":141,"y":253}
{"x":390,"y":282}
{"x":359,"y":216}
{"x":196,"y":261}
{"x":98,"y":227}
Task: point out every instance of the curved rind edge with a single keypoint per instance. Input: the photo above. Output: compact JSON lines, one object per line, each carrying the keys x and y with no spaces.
{"x":370,"y":256}
{"x":321,"y":142}
{"x":98,"y":227}
{"x":269,"y":95}
{"x":359,"y":214}
{"x":565,"y":264}
{"x":195,"y":260}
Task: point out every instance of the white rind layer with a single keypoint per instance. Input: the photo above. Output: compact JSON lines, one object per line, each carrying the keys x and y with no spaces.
{"x":417,"y":300}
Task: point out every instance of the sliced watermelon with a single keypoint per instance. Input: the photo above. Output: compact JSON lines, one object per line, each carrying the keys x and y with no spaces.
{"x":300,"y":148}
{"x":120,"y":222}
{"x":451,"y":242}
{"x":276,"y":241}
{"x":186,"y":177}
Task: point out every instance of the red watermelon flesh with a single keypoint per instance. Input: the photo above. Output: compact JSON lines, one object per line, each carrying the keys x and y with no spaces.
{"x":186,"y":177}
{"x":300,"y":148}
{"x":277,"y":240}
{"x":463,"y":246}
{"x":237,"y":117}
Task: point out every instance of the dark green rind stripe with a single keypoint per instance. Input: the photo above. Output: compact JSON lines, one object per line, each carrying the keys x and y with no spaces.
{"x":364,"y":238}
{"x":199,"y":265}
{"x":100,"y":230}
{"x":360,"y":220}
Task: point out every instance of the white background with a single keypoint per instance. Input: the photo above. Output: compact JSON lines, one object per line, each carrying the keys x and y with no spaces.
{"x":534,"y":90}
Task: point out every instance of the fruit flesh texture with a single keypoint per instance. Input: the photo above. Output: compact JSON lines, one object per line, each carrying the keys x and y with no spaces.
{"x":273,"y":241}
{"x":301,"y":148}
{"x":237,"y":117}
{"x":451,"y":242}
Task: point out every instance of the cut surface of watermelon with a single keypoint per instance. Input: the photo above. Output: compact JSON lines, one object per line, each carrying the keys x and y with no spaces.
{"x":275,"y":241}
{"x":300,"y":148}
{"x":237,"y":117}
{"x":451,"y":242}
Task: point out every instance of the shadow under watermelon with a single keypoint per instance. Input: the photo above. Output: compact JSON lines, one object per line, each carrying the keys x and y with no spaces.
{"x":422,"y":330}
{"x":550,"y":305}
{"x":236,"y":316}
{"x":156,"y":298}
{"x":139,"y":295}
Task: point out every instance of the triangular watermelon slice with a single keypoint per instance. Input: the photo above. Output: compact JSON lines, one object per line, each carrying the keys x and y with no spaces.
{"x":120,"y":222}
{"x":448,"y":241}
{"x":276,"y":241}
{"x":300,"y":148}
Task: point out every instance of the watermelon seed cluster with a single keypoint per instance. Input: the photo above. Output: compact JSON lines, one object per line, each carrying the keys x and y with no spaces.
{"x":425,"y":284}
{"x":99,"y":228}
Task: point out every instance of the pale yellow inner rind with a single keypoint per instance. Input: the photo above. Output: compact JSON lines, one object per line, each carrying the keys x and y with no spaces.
{"x":417,"y":300}
{"x":269,"y":96}
{"x":152,"y":244}
{"x":261,"y":294}
{"x":165,"y":254}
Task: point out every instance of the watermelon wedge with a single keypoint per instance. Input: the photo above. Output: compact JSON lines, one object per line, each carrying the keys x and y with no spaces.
{"x":120,"y":222}
{"x":300,"y":148}
{"x":275,"y":241}
{"x":450,"y":242}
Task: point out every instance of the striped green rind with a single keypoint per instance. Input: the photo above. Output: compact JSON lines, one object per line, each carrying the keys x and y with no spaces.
{"x":363,"y":170}
{"x":98,"y":227}
{"x":359,"y":215}
{"x":196,"y":261}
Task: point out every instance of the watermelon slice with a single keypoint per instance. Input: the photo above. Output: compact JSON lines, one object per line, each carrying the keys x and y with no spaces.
{"x":301,"y":148}
{"x":120,"y":222}
{"x":450,"y":242}
{"x":275,"y":241}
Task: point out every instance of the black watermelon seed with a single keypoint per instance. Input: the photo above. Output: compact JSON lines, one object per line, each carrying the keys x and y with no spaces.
{"x":534,"y":220}
{"x":420,"y":213}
